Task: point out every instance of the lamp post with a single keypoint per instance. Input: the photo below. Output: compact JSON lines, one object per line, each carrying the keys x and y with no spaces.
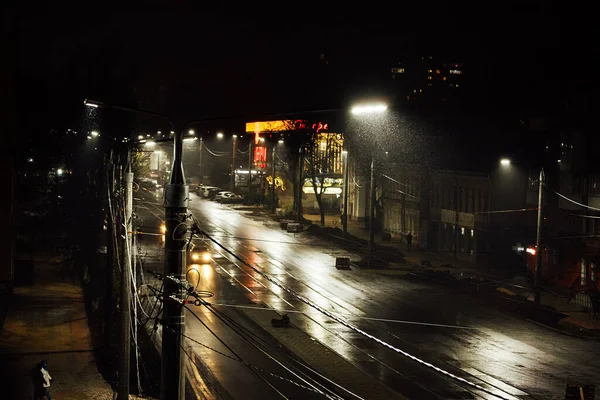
{"x":173,"y":322}
{"x":506,"y":163}
{"x":201,"y":163}
{"x":233,"y":164}
{"x":250,"y":159}
{"x":362,"y":111}
{"x":538,"y":241}
{"x":346,"y":185}
{"x":273,"y":205}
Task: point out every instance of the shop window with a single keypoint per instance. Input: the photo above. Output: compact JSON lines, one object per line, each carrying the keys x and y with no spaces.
{"x":583,"y":272}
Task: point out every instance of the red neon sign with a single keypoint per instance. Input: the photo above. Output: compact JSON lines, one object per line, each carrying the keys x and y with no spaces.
{"x":319,"y":126}
{"x":260,"y":157}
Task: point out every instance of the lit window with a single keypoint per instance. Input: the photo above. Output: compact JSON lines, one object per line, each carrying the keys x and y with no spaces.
{"x":437,"y":71}
{"x":429,"y":77}
{"x":583,"y":272}
{"x":455,"y":71}
{"x":430,"y":71}
{"x":397,"y":70}
{"x":420,"y":90}
{"x":444,"y":78}
{"x":429,"y":84}
{"x":457,"y":85}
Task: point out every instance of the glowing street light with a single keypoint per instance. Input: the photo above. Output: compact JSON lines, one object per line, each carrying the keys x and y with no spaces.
{"x":59,"y":172}
{"x":191,"y":132}
{"x":90,"y":103}
{"x":220,"y":135}
{"x":376,"y":108}
{"x":505,"y":162}
{"x":95,"y":133}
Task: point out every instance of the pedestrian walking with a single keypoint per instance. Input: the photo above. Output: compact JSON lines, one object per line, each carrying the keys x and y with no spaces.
{"x":408,"y":241}
{"x":46,"y":381}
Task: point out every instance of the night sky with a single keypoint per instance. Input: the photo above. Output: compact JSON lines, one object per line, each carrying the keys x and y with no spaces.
{"x":192,"y":62}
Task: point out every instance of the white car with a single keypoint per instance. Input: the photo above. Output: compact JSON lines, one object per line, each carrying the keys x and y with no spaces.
{"x":227,"y":197}
{"x":205,"y":191}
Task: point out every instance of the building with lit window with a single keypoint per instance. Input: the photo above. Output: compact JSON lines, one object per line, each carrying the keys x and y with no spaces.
{"x":429,"y":79}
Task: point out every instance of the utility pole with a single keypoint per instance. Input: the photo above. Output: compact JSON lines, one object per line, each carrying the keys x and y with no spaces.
{"x":176,"y":215}
{"x":538,"y":241}
{"x":372,"y":213}
{"x":125,"y":328}
{"x":250,"y":159}
{"x":456,"y":220}
{"x":300,"y":184}
{"x":201,"y":161}
{"x":273,"y":205}
{"x":346,"y":184}
{"x":110,"y":253}
{"x":233,"y":165}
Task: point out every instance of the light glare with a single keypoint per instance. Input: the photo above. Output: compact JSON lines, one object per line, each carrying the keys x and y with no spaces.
{"x":369,"y":109}
{"x":505,"y":162}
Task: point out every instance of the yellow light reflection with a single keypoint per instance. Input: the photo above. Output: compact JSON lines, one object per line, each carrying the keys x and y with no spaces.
{"x":269,"y":126}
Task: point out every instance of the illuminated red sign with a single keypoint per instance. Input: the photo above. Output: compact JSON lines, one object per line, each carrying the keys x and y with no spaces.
{"x":319,"y":126}
{"x":260,"y":157}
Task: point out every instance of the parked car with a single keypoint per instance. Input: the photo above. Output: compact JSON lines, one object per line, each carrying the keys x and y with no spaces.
{"x":205,"y":191}
{"x":213,"y":192}
{"x":228,"y":197}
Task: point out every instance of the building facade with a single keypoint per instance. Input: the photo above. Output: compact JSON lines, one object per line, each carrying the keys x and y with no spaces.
{"x":444,"y":211}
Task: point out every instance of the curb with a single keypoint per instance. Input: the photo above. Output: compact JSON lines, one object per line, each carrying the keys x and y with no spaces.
{"x":538,"y":315}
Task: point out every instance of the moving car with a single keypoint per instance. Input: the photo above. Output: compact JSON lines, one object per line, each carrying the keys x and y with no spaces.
{"x":228,"y":197}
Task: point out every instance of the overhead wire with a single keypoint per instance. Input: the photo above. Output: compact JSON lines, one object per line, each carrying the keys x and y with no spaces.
{"x":256,"y":341}
{"x":236,"y":354}
{"x":354,"y":328}
{"x":219,"y":316}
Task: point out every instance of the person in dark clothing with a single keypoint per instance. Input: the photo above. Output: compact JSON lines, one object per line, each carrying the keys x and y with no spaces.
{"x":408,"y":241}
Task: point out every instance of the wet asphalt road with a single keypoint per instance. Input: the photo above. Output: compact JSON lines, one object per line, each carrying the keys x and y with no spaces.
{"x":426,"y":326}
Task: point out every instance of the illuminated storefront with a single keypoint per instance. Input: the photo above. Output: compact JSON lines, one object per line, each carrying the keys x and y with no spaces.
{"x":323,"y":154}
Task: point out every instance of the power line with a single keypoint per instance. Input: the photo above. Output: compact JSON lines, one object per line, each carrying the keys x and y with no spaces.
{"x":354,"y":328}
{"x":235,"y":354}
{"x":230,"y":322}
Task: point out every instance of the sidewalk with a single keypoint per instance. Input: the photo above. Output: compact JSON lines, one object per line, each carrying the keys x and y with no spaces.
{"x":48,"y":321}
{"x":575,"y":321}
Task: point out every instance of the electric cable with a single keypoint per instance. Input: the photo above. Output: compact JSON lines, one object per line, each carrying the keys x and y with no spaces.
{"x":354,"y":328}
{"x":234,"y":353}
{"x":254,"y":340}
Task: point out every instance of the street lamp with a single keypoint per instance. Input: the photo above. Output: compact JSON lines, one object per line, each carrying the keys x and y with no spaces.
{"x":219,"y":135}
{"x":176,"y":206}
{"x":538,"y":253}
{"x":95,"y":133}
{"x":233,"y":164}
{"x":366,"y":110}
{"x":376,"y":108}
{"x":191,"y":132}
{"x":346,"y":184}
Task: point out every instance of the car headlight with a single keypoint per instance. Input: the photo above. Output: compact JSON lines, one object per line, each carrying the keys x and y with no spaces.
{"x":204,"y":257}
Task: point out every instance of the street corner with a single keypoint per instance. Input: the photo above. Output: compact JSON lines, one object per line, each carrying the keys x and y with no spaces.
{"x":589,"y":329}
